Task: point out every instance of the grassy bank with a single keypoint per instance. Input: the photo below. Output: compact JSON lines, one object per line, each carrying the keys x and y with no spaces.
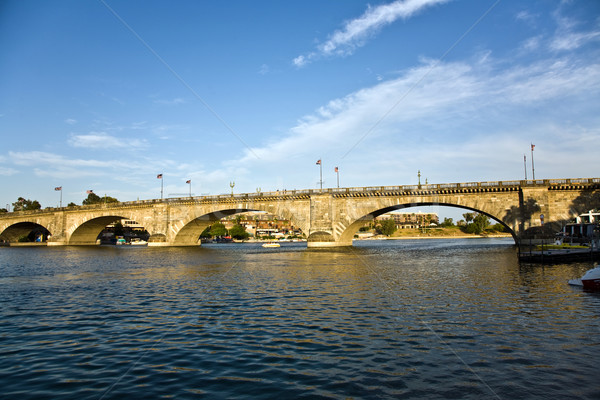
{"x":450,"y":232}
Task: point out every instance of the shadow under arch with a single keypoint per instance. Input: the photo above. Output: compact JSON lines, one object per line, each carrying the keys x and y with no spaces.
{"x":24,"y":229}
{"x":86,"y":233}
{"x":348,"y":234}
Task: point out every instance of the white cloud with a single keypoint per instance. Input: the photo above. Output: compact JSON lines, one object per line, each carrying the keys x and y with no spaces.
{"x":567,"y":38}
{"x":70,"y":121}
{"x":573,"y":40}
{"x":101,"y":140}
{"x":451,"y":117}
{"x":7,"y":171}
{"x":355,"y":32}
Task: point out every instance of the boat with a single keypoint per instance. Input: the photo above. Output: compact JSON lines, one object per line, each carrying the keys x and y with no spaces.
{"x":138,"y":242}
{"x":121,"y":241}
{"x":577,"y":241}
{"x":271,"y":244}
{"x":590,"y":280}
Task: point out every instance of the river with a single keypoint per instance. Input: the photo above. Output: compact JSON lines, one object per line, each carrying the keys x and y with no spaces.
{"x":408,"y":319}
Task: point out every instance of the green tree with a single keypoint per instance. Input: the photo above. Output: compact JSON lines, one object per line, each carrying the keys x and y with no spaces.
{"x":238,"y":232}
{"x":3,"y":210}
{"x":479,"y":224}
{"x":387,"y":227}
{"x":206,"y":233}
{"x":218,"y":229}
{"x":93,"y":198}
{"x":71,"y":204}
{"x":118,"y":229}
{"x":448,"y":222}
{"x":468,"y":217}
{"x":23,"y":204}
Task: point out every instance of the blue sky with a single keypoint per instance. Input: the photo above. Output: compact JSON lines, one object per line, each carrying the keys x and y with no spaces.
{"x":105,"y":95}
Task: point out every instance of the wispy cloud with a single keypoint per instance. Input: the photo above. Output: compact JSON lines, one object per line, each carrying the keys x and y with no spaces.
{"x":458,"y":115}
{"x":568,"y":37}
{"x":355,"y":32}
{"x":264,"y":69}
{"x":102,"y":140}
{"x":70,"y":121}
{"x":170,"y":102}
{"x":7,"y":171}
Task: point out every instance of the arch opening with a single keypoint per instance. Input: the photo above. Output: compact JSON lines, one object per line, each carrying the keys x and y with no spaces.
{"x":257,"y":224}
{"x":25,"y":232}
{"x":109,"y":230}
{"x":352,"y":231}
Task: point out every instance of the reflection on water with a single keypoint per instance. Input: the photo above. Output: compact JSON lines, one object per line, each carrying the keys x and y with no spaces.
{"x":384,"y":319}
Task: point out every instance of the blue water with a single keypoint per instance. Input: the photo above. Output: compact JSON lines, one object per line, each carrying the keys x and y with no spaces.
{"x":407,"y":319}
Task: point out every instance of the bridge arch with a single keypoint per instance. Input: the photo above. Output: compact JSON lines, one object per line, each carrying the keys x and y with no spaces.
{"x":14,"y":232}
{"x":348,"y":232}
{"x":86,"y":232}
{"x":187,"y":231}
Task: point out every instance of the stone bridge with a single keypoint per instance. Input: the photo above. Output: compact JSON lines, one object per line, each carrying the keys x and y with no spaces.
{"x":328,"y":217}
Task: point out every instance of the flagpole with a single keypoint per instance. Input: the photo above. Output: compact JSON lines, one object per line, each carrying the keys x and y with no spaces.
{"x":320,"y":164}
{"x":160,"y":176}
{"x":532,"y":167}
{"x":337,"y":171}
{"x":61,"y":197}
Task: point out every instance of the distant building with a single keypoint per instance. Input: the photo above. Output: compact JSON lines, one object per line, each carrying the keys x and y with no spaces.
{"x":262,"y":224}
{"x":415,"y":220}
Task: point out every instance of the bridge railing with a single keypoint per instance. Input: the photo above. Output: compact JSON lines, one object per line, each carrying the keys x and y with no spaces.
{"x":280,"y":193}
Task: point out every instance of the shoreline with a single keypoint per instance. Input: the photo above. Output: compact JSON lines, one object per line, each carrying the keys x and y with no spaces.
{"x":438,"y":237}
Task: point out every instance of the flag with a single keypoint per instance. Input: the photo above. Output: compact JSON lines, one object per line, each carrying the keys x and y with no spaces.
{"x":336,"y":169}
{"x":90,"y":191}
{"x":532,"y":146}
{"x":58,"y":188}
{"x":188,"y":181}
{"x":159,"y":176}
{"x":319,"y":162}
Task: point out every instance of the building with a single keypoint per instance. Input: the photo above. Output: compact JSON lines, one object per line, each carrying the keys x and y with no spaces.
{"x":415,"y":220}
{"x":262,"y":224}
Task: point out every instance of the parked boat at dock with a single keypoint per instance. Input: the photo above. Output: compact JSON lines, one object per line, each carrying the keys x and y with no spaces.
{"x":577,"y":241}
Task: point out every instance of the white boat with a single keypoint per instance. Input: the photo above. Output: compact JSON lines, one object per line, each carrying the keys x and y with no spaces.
{"x":271,"y":244}
{"x":590,"y":280}
{"x":138,"y":242}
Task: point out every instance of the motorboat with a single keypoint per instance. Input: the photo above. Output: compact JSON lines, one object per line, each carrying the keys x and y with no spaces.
{"x":138,"y":242}
{"x":271,"y":244}
{"x":590,"y":280}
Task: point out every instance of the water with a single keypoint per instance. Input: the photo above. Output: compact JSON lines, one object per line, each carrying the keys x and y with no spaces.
{"x":432,"y":319}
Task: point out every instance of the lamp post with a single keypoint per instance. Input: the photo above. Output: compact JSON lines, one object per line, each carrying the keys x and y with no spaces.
{"x":231,"y":185}
{"x":337,"y":171}
{"x":189,"y":182}
{"x":419,"y":175}
{"x":532,"y":167}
